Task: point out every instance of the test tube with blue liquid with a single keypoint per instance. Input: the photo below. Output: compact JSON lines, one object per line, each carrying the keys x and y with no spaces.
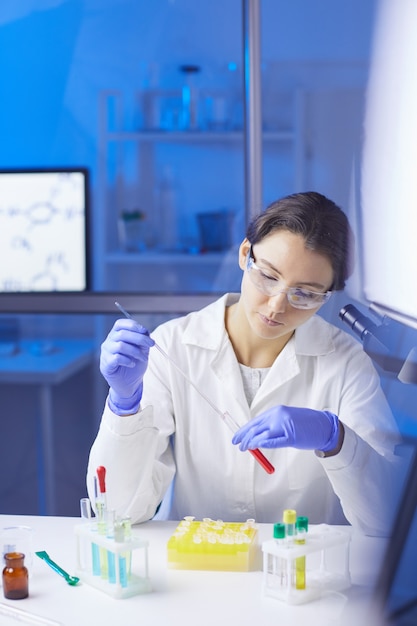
{"x":189,"y":112}
{"x":122,"y":534}
{"x":127,"y":529}
{"x":101,"y":508}
{"x":85,"y":507}
{"x":114,"y":528}
{"x":111,"y":561}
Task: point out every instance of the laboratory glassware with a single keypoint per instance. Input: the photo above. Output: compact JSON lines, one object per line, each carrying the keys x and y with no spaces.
{"x":15,"y":576}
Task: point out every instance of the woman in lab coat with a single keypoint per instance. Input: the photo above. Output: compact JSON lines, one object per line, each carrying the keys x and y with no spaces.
{"x":300,"y":389}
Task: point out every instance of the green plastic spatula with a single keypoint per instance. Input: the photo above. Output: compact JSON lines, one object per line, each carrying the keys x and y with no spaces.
{"x":71,"y":580}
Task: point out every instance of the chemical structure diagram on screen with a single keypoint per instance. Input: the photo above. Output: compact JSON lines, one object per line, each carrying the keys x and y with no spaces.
{"x":42,"y":231}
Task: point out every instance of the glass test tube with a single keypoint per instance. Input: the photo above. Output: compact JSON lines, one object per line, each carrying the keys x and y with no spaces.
{"x":279,"y":564}
{"x":122,"y":533}
{"x":101,"y":529}
{"x":111,"y":562}
{"x":300,"y":562}
{"x":89,"y":560}
{"x":289,"y":518}
{"x":127,"y":529}
{"x":259,"y":456}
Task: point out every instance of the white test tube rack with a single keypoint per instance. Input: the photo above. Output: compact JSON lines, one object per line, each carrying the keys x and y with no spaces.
{"x":117,"y":580}
{"x":326,"y":552}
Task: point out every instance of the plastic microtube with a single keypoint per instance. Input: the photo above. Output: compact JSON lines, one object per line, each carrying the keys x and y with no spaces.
{"x":289,"y":518}
{"x":250,"y":523}
{"x":300,"y":562}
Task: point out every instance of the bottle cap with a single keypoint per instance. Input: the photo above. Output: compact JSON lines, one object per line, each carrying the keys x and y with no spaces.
{"x":289,"y":516}
{"x":302,"y":523}
{"x":279,"y":531}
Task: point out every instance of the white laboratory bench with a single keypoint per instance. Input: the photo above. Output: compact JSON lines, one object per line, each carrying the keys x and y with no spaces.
{"x":184,"y":597}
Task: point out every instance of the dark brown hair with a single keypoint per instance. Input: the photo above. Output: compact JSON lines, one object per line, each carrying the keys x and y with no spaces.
{"x":320,"y":221}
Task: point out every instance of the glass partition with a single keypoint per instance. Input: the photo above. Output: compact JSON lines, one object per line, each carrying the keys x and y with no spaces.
{"x":148,"y":96}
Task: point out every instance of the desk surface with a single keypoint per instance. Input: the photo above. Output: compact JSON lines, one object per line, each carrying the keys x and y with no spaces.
{"x":201,"y":598}
{"x":62,"y":358}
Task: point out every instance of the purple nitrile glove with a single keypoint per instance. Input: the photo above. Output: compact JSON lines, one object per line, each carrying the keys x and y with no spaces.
{"x":290,"y":426}
{"x":123,"y":362}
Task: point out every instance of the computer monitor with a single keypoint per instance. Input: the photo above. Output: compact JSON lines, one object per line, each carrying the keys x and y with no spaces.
{"x":44,"y":215}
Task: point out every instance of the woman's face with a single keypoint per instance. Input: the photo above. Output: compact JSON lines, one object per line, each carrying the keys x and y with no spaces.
{"x":282,"y":256}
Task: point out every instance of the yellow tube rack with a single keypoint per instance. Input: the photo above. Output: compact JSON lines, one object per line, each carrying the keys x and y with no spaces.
{"x":213,"y":545}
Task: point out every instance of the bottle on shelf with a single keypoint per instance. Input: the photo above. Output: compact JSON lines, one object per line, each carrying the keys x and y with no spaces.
{"x":223,"y":101}
{"x":189,"y":109}
{"x":166,"y":214}
{"x":132,"y":230}
{"x":152,"y":100}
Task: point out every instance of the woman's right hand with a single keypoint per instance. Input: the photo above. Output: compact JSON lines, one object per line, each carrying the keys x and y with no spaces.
{"x":123,"y":362}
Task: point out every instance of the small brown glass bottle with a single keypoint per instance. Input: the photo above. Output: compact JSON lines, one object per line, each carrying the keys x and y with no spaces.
{"x":15,"y":576}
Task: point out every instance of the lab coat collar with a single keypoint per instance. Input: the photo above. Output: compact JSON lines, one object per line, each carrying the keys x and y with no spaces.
{"x":313,"y":338}
{"x":205,"y":329}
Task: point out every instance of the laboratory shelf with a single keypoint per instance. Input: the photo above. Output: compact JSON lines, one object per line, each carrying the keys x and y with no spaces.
{"x":149,"y":256}
{"x":195,"y":136}
{"x":156,"y":170}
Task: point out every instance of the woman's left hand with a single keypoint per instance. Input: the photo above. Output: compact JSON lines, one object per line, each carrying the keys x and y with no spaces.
{"x":290,"y":426}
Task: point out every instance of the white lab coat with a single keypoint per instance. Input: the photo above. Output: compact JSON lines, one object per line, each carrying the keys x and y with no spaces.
{"x":177,"y":435}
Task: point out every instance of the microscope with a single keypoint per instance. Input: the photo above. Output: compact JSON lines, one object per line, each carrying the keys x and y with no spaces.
{"x":378,"y":343}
